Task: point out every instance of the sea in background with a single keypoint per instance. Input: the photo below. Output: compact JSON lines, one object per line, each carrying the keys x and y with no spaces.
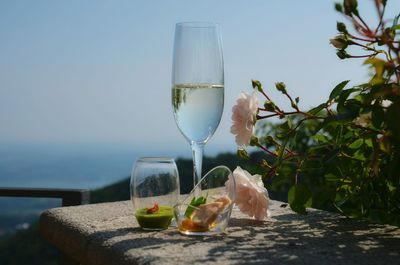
{"x":53,"y":166}
{"x":67,"y":166}
{"x":64,"y":167}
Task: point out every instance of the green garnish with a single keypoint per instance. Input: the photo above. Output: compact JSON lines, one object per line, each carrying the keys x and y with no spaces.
{"x":194,"y":203}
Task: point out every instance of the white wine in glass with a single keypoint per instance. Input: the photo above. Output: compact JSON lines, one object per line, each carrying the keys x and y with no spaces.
{"x":197,"y":85}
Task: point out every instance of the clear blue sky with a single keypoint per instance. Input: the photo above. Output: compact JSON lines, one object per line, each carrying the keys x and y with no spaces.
{"x":88,"y":72}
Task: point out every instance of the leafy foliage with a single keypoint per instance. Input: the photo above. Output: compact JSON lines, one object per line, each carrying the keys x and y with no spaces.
{"x":344,"y":154}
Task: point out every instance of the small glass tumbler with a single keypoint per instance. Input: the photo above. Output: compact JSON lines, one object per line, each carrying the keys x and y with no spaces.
{"x":154,"y":191}
{"x":207,"y":213}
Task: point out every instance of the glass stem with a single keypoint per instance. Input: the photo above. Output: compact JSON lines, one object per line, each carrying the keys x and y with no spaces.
{"x":197,"y":152}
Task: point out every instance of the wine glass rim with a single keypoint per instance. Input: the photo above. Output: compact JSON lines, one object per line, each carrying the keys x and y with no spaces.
{"x":156,"y":159}
{"x":197,"y":24}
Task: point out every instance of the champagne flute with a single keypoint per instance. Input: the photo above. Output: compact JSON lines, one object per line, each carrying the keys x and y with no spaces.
{"x":197,"y":85}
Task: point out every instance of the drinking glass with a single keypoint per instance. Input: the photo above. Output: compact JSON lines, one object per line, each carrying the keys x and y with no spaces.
{"x":197,"y":85}
{"x":154,"y":191}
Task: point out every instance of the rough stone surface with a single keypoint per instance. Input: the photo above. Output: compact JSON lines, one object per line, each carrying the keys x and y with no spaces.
{"x":109,"y":234}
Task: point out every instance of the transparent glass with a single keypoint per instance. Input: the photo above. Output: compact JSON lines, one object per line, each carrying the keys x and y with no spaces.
{"x":197,"y":85}
{"x":212,"y":215}
{"x":154,"y":190}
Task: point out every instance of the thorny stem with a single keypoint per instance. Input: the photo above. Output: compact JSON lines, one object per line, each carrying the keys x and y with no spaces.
{"x":362,"y":39}
{"x":300,"y":163}
{"x":364,"y":56}
{"x":388,"y":55}
{"x":364,"y":46}
{"x":265,"y":95}
{"x":292,"y":102}
{"x":309,"y":115}
{"x":368,"y":129}
{"x":268,"y":151}
{"x":365,"y":24}
{"x":357,"y":25}
{"x":380,"y":14}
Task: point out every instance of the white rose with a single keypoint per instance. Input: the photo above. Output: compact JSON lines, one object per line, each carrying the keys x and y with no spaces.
{"x":251,"y":195}
{"x":243,"y":118}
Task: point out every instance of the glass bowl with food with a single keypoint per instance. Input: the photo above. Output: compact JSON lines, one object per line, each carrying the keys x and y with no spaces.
{"x":207,"y":209}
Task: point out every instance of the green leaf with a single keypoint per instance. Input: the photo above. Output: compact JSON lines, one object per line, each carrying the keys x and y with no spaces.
{"x":290,"y":123}
{"x":390,"y":187}
{"x":320,"y":138}
{"x":281,"y":150}
{"x":378,"y":116}
{"x":338,"y":89}
{"x":343,"y":97}
{"x":356,"y":144}
{"x":331,"y":177}
{"x":347,"y":114}
{"x":340,"y":199}
{"x":299,"y":198}
{"x":331,"y":156}
{"x":317,"y":109}
{"x":379,"y":66}
{"x":194,"y":203}
{"x":368,"y":142}
{"x":359,"y":155}
{"x":285,"y":127}
{"x":392,"y":119}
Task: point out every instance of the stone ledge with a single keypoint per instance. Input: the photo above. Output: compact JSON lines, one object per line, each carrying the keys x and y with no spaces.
{"x":108,"y":233}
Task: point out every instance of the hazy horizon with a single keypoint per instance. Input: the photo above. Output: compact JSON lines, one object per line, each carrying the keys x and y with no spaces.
{"x":98,"y":73}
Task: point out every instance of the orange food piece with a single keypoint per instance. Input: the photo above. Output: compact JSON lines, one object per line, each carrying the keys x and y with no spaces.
{"x":154,"y":209}
{"x":188,"y":225}
{"x":206,"y":214}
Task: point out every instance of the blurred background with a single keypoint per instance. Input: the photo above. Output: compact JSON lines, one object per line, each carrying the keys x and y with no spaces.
{"x":85,"y":85}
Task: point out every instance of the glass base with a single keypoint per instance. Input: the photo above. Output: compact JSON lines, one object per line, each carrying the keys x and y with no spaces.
{"x":153,"y":229}
{"x":206,"y":233}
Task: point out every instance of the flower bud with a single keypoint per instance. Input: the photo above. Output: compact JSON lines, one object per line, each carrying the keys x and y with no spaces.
{"x":243,"y":154}
{"x":269,"y":105}
{"x":341,"y":27}
{"x":350,"y":7}
{"x":257,"y":84}
{"x":342,"y":54}
{"x":280,"y":86}
{"x":265,"y":164}
{"x":339,"y":42}
{"x":269,"y":139}
{"x":388,"y":35}
{"x":339,"y":7}
{"x":254,"y":141}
